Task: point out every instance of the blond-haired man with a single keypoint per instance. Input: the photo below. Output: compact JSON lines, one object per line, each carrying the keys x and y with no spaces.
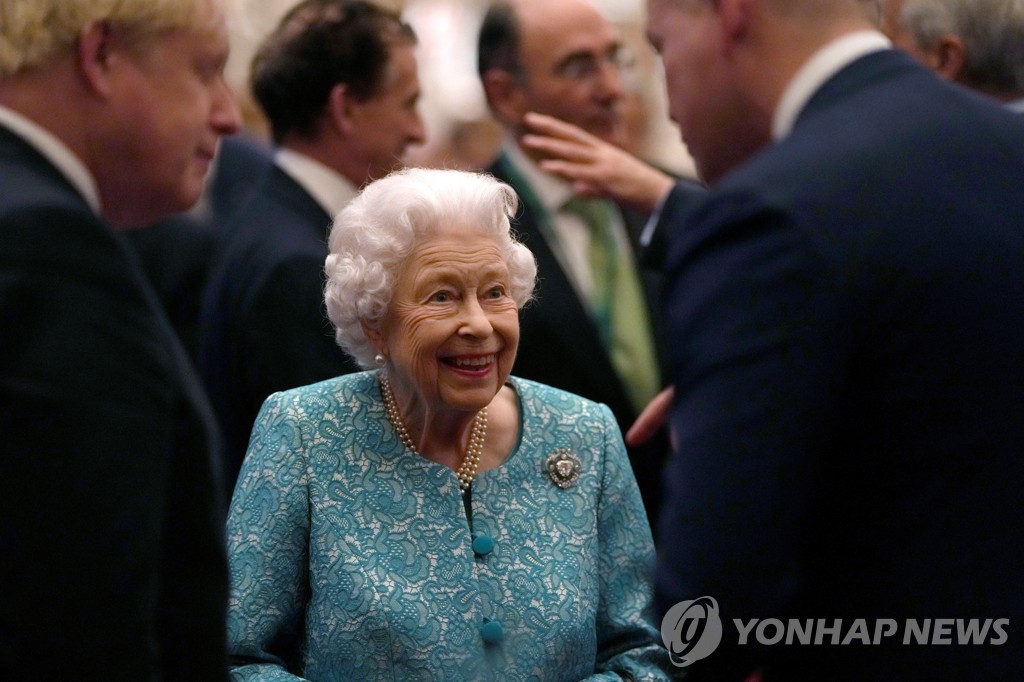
{"x":110,"y":515}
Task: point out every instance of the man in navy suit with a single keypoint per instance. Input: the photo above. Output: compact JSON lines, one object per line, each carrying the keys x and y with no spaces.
{"x":846,"y":311}
{"x":337,"y":81}
{"x":564,"y":59}
{"x":111,"y":512}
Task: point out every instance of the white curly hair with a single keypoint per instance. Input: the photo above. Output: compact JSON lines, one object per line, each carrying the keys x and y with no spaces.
{"x":377,"y":231}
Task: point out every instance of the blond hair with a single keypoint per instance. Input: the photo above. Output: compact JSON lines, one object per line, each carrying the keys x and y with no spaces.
{"x":34,"y":33}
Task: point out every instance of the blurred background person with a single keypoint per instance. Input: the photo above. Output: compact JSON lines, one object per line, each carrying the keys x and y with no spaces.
{"x":337,"y":80}
{"x":977,"y":43}
{"x":592,"y":329}
{"x":436,"y":518}
{"x":845,"y":314}
{"x":111,"y":512}
{"x":461,"y":133}
{"x":601,"y":169}
{"x":455,"y":108}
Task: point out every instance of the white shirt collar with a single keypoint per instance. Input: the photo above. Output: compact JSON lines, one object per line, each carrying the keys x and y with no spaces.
{"x":56,"y":152}
{"x":824,"y":64}
{"x":328,"y":187}
{"x":551,"y":190}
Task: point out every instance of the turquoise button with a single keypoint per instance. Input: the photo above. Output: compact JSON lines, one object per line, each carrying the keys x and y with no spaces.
{"x":492,"y":632}
{"x":483,"y":544}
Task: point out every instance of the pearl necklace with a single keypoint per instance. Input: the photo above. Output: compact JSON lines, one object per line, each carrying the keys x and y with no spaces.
{"x":470,"y":461}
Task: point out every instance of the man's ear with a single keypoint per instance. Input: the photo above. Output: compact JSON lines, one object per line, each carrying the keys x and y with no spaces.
{"x":340,"y":109}
{"x":505,"y":95}
{"x":95,"y":56}
{"x":949,"y":57}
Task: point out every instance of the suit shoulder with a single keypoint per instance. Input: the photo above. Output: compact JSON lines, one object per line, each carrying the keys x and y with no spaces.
{"x":270,"y":228}
{"x":62,"y":237}
{"x":26,"y":195}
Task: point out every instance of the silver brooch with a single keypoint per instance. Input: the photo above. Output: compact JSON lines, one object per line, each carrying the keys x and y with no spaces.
{"x":564,"y":468}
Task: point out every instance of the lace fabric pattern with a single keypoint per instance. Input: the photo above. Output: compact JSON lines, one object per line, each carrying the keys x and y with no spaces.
{"x":353,"y":559}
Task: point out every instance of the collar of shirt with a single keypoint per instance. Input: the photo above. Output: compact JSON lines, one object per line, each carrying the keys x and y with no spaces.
{"x":328,"y":187}
{"x":551,"y":190}
{"x":567,"y":234}
{"x":822,"y":65}
{"x":1016,"y":106}
{"x":56,"y":152}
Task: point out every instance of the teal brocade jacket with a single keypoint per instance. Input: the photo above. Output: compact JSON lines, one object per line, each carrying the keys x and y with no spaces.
{"x":354,"y":559}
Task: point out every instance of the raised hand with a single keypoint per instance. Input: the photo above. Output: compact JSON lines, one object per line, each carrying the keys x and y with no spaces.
{"x":595,"y":168}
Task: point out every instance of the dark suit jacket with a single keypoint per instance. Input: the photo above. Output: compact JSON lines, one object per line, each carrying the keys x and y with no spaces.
{"x":560,"y":345}
{"x":264,"y":326}
{"x":685,"y":195}
{"x":111,"y":520}
{"x":847,"y":325}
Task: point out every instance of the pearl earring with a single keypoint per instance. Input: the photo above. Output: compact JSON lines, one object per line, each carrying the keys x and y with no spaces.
{"x":379,"y":360}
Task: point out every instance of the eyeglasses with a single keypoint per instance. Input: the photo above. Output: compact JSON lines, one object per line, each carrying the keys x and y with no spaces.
{"x":582,"y":68}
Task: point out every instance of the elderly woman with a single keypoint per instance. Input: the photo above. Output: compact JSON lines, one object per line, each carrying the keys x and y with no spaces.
{"x":435,"y":518}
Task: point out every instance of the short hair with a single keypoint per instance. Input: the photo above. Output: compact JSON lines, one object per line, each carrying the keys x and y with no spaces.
{"x":33,"y":33}
{"x":498,"y":42}
{"x":318,"y":44}
{"x":380,"y":228}
{"x":992,"y":32}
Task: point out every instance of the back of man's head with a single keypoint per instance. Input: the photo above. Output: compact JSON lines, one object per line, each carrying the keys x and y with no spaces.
{"x":317,"y":45}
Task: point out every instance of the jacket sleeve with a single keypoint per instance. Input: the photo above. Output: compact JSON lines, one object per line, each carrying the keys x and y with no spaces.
{"x":628,"y":641}
{"x":98,"y":444}
{"x":268,"y":537}
{"x":760,"y":342}
{"x":684,"y":196}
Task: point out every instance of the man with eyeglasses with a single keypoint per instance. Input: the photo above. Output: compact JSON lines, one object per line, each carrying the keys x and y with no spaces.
{"x":591,"y":329}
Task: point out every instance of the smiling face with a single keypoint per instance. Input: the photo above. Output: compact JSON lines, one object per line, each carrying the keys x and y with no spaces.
{"x":452,"y":329}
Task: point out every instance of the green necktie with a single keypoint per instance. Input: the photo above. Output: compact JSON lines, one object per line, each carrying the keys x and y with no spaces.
{"x":617,"y":303}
